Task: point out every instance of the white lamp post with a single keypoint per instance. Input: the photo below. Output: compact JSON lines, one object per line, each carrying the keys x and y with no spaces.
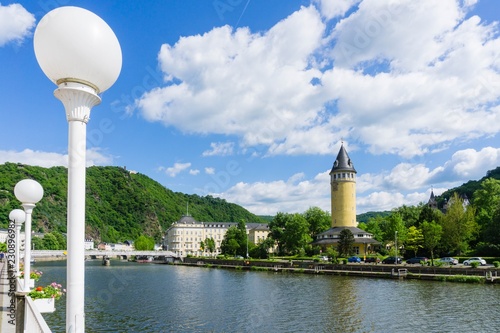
{"x":18,"y":216}
{"x":79,"y":52}
{"x":29,"y":192}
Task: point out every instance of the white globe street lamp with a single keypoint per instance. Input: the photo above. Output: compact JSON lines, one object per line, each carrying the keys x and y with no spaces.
{"x":79,"y":52}
{"x":29,"y":192}
{"x":18,"y":216}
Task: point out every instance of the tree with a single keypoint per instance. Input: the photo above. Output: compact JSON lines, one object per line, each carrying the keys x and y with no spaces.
{"x":49,"y":242}
{"x":346,"y":242}
{"x":3,"y":247}
{"x":61,"y":240}
{"x":234,"y":242}
{"x":276,"y":229}
{"x":459,"y":225}
{"x":208,"y":245}
{"x":432,"y":232}
{"x":37,"y":243}
{"x":373,"y":226}
{"x":318,"y":220}
{"x":394,"y":223}
{"x":144,"y":243}
{"x":414,"y":239}
{"x":487,"y":203}
{"x":296,"y":234}
{"x":409,"y":214}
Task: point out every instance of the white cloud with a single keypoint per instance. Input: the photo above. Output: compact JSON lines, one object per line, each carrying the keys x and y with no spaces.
{"x":398,"y":77}
{"x":219,"y":149}
{"x":472,"y":164}
{"x":15,"y":23}
{"x":209,"y":171}
{"x":194,"y":172}
{"x":176,"y":169}
{"x":268,"y":198}
{"x":331,"y":9}
{"x":50,"y":159}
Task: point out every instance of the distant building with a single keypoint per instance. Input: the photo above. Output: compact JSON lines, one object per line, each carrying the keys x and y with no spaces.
{"x":184,"y":237}
{"x":89,"y":244}
{"x":432,"y":203}
{"x":343,"y":204}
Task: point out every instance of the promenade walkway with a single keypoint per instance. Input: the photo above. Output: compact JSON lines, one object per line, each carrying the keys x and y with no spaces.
{"x":5,"y":302}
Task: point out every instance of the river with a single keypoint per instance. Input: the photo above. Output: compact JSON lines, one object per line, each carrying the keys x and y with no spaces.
{"x":132,"y":297}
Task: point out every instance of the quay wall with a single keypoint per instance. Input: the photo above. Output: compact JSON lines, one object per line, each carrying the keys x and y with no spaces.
{"x":365,"y":270}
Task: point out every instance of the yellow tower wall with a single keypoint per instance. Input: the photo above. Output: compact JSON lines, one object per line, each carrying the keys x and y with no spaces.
{"x":343,"y":200}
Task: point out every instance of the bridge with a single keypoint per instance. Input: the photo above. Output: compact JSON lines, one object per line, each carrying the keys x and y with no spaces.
{"x":103,"y":253}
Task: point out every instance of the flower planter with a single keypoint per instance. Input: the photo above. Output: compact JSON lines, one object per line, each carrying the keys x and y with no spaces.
{"x":45,"y":305}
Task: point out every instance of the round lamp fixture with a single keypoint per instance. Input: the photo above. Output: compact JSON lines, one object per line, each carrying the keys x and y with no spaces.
{"x":28,"y":191}
{"x":73,"y":44}
{"x":18,"y":216}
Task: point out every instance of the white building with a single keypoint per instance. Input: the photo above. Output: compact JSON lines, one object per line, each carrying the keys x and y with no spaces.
{"x":185,"y":236}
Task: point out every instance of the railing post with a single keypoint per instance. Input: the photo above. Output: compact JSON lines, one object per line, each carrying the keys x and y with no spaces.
{"x":20,"y":310}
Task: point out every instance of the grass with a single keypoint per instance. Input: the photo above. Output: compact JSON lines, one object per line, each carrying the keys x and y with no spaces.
{"x":462,"y":278}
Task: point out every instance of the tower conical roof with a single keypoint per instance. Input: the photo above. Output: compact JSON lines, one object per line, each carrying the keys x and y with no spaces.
{"x":343,"y":162}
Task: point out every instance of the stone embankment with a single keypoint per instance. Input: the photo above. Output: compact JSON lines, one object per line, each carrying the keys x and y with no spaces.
{"x":487,"y":274}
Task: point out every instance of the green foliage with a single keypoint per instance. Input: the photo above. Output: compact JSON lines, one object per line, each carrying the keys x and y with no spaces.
{"x":144,"y":243}
{"x":3,"y":247}
{"x":462,"y":278}
{"x":365,"y":217}
{"x":318,"y":220}
{"x":475,"y":264}
{"x":414,"y":239}
{"x":120,"y":205}
{"x":432,"y":233}
{"x":230,"y":244}
{"x":346,"y":242}
{"x":496,"y":264}
{"x":459,"y":225}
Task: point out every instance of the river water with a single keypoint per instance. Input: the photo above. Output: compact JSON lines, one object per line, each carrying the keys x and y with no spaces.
{"x":132,"y":297}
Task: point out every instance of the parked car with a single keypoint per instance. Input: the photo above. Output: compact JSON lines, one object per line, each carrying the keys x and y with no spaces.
{"x":372,"y":259}
{"x":392,"y":260}
{"x":449,"y":261}
{"x":416,"y":260}
{"x":354,"y":259}
{"x":481,"y":261}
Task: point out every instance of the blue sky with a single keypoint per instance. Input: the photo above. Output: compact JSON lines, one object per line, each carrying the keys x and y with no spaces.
{"x":250,"y":100}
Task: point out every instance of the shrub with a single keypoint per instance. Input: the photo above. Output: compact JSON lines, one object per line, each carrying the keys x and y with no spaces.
{"x":475,"y":264}
{"x":496,"y":264}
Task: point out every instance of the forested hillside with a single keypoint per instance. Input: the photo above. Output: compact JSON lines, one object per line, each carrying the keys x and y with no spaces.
{"x":120,"y":205}
{"x":468,"y":188}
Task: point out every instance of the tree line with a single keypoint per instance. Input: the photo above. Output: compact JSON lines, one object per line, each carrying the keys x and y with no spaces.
{"x":462,"y":228}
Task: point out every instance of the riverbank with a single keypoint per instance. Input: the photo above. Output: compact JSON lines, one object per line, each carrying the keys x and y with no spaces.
{"x":431,"y":273}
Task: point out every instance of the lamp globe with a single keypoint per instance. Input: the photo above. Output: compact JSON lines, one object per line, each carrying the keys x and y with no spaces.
{"x":28,"y":191}
{"x":18,"y":216}
{"x":73,"y":44}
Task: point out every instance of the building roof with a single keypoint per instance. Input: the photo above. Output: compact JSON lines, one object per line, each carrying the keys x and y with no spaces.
{"x":187,"y":219}
{"x":343,"y":162}
{"x":326,"y":237}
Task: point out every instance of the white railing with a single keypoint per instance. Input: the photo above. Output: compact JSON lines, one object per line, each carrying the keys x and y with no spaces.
{"x":33,"y":319}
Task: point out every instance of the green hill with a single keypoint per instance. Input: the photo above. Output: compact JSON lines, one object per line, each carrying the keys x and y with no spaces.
{"x":468,"y":188}
{"x":120,"y":205}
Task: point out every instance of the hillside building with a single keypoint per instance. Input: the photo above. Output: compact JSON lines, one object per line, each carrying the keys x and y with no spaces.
{"x":343,"y":205}
{"x":185,"y":236}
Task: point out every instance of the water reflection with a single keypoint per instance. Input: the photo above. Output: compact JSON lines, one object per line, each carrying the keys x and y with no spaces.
{"x":129,"y":297}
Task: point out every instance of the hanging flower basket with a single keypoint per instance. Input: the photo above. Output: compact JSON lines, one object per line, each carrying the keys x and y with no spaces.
{"x":45,"y":305}
{"x":45,"y":297}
